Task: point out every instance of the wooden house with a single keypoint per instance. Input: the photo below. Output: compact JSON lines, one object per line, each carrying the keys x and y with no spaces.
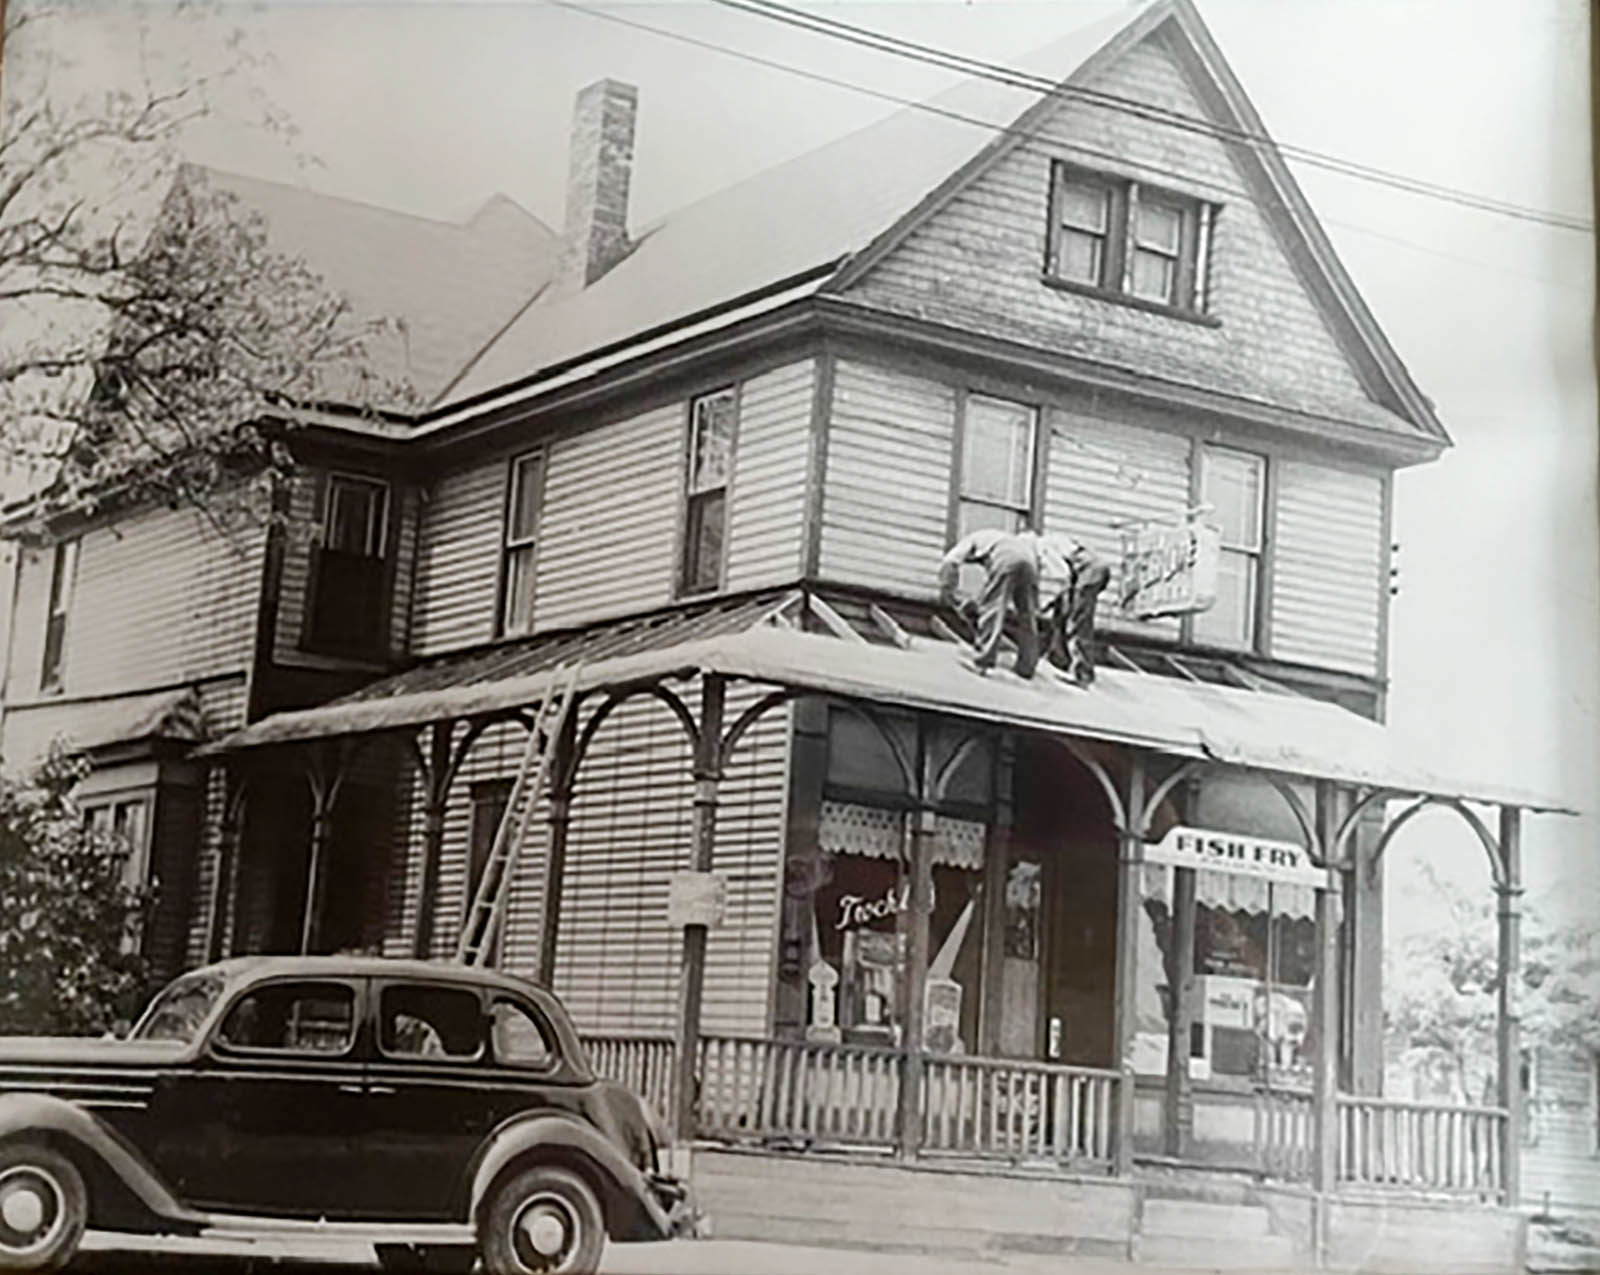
{"x":715,"y":461}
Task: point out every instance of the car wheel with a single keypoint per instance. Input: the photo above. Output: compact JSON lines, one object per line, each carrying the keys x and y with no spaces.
{"x":542,"y":1221}
{"x":43,"y":1208}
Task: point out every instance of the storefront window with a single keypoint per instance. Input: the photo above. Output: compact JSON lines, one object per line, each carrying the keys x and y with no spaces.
{"x":1253,"y":963}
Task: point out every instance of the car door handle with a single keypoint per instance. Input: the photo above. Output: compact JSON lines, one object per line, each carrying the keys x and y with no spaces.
{"x":350,"y":1088}
{"x":382,"y":1089}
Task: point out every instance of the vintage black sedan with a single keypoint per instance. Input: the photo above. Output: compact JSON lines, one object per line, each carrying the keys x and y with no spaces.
{"x":436,"y":1111}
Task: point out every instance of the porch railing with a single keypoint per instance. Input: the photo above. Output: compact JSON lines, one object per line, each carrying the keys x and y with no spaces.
{"x":994,"y":1108}
{"x":760,"y":1088}
{"x":1421,"y":1146}
{"x":644,"y":1063}
{"x":1285,"y":1133}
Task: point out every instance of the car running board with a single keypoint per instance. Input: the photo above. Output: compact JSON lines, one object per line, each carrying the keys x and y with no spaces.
{"x":220,"y":1226}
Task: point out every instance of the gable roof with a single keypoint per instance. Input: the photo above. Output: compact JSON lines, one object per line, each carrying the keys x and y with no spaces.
{"x":808,"y":212}
{"x":453,"y":286}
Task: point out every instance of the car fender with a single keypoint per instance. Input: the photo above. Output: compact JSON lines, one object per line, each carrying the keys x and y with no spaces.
{"x":25,"y":1114}
{"x":564,"y":1139}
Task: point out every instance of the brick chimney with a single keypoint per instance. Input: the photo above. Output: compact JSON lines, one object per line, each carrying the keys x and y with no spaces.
{"x":599,"y":163}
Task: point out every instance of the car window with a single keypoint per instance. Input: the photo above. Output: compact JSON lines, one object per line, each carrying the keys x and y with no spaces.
{"x":176,"y":1014}
{"x":304,"y":1018}
{"x":417,"y":1021}
{"x":520,"y":1039}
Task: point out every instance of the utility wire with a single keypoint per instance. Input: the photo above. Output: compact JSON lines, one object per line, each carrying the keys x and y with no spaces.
{"x":1001,"y":74}
{"x":1003,"y":130}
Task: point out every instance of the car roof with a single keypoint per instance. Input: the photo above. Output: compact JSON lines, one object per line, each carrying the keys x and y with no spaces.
{"x":239,"y":968}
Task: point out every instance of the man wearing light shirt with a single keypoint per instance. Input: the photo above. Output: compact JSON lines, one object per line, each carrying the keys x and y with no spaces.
{"x":1020,"y":568}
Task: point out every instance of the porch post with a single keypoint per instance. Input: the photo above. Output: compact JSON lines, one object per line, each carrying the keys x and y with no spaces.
{"x":917,"y":973}
{"x":223,"y":889}
{"x":325,"y":783}
{"x":436,"y":779}
{"x":1126,"y":1017}
{"x":1508,"y":1036}
{"x":1179,"y":1105}
{"x":707,"y":774}
{"x":1325,"y":1012}
{"x":555,"y":863}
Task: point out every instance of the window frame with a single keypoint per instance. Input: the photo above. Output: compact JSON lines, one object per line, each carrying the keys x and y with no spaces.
{"x":694,"y":499}
{"x":482,"y":795}
{"x":542,"y":1025}
{"x":358,"y":1010}
{"x":959,"y":500}
{"x":1256,"y":642}
{"x":381,"y":537}
{"x":64,"y":561}
{"x":385,"y":1054}
{"x":514,"y":547}
{"x":1125,"y":196}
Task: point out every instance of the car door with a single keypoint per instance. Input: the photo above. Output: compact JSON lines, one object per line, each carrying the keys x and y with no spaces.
{"x":267,"y":1119}
{"x":427,"y":1109}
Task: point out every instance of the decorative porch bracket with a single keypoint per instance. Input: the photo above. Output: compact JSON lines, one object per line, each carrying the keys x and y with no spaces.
{"x":437,"y":769}
{"x":220,"y":914}
{"x":325,"y":774}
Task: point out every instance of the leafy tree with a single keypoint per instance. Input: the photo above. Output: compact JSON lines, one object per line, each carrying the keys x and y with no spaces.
{"x":148,"y":327}
{"x":1441,"y":991}
{"x":68,"y":922}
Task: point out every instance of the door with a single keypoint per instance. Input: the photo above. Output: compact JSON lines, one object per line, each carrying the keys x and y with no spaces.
{"x":268,"y":1119}
{"x":430,"y":1101}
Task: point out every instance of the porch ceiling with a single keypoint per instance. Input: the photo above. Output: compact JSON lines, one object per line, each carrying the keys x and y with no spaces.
{"x":858,"y":651}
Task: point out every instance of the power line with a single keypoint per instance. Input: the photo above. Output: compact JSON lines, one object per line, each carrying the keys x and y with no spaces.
{"x":1003,"y":130}
{"x":930,"y":55}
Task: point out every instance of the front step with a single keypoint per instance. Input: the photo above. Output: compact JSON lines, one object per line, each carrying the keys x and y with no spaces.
{"x":1219,"y":1253}
{"x":1199,"y":1234}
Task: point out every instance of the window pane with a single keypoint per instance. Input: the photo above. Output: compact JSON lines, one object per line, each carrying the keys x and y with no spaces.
{"x":518,"y":1037}
{"x":1085,"y":207}
{"x":298,"y":1017}
{"x":519,"y":589}
{"x":355,"y":515}
{"x":1160,"y":227}
{"x":1080,"y":258}
{"x":430,"y":1022}
{"x":1232,"y":485}
{"x":703,"y":542}
{"x":524,"y":498}
{"x":488,"y":809}
{"x":997,"y":453}
{"x":1231,"y":619}
{"x":713,"y":441}
{"x":1153,"y":276}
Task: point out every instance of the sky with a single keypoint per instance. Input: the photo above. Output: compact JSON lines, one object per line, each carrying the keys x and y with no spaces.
{"x":1495,"y":636}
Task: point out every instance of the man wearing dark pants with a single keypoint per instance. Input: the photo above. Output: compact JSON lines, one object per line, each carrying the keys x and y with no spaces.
{"x":1011,"y":569}
{"x":1070,"y":602}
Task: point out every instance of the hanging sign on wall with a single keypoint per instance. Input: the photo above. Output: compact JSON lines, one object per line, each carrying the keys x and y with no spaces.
{"x":1168,"y":568}
{"x":1213,"y":851}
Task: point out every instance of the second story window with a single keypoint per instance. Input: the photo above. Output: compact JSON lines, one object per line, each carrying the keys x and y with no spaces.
{"x":713,"y":419}
{"x":1113,"y":236}
{"x":997,"y":446}
{"x":522,"y":527}
{"x":1234,"y":485}
{"x":347,"y":604}
{"x":63,"y":576}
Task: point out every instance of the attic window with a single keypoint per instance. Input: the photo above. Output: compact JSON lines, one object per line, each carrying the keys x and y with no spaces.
{"x":1123,"y":240}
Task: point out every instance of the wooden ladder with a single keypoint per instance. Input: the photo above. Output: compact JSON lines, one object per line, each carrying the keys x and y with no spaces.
{"x":492,"y":898}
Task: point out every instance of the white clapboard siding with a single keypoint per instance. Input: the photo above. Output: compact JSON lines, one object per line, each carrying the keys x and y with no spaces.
{"x":768,"y":495}
{"x":1328,"y":560}
{"x":617,"y":959}
{"x":1101,"y":473}
{"x":887,"y":489}
{"x":295,"y":585}
{"x":609,"y":522}
{"x":1561,"y":1158}
{"x":458,"y":560}
{"x":407,"y":543}
{"x":223,"y":705}
{"x":161,"y":596}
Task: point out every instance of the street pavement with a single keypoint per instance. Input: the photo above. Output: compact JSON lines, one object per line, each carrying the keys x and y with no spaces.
{"x":124,"y":1255}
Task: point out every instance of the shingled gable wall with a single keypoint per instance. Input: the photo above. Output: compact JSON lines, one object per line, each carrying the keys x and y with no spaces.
{"x":976,"y":262}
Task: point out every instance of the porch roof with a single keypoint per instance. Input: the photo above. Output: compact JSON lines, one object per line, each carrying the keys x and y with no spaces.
{"x":857,"y":650}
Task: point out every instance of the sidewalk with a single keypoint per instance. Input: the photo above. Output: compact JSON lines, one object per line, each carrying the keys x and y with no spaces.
{"x":119,"y":1253}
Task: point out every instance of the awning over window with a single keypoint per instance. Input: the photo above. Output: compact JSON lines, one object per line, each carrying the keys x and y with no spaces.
{"x":85,"y":725}
{"x":762,"y":639}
